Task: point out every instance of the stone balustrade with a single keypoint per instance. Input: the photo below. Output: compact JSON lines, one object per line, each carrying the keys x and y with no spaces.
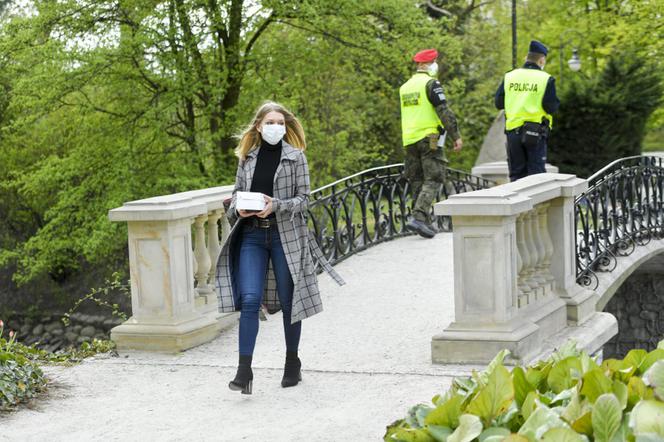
{"x":498,"y":171}
{"x":514,"y":272}
{"x":174,"y":243}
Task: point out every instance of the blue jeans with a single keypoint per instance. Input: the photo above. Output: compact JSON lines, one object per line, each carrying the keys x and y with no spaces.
{"x":257,"y":247}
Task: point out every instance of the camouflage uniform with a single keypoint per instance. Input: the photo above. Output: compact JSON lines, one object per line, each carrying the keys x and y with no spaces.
{"x":425,"y":160}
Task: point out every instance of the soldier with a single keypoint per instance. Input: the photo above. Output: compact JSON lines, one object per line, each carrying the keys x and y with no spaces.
{"x":425,"y":117}
{"x":528,"y":95}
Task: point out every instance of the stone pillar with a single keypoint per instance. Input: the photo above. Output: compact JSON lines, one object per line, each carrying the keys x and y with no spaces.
{"x":164,"y":313}
{"x":498,"y":232}
{"x":562,"y":229}
{"x":486,"y":309}
{"x":165,"y":316}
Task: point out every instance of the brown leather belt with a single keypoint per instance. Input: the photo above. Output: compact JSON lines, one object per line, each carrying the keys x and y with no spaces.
{"x":262,"y":223}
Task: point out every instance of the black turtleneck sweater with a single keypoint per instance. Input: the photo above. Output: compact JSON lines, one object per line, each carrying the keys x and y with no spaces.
{"x":267,"y":161}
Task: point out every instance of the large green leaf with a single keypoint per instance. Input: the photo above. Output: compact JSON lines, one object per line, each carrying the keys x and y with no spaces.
{"x":539,"y":422}
{"x":636,"y":391}
{"x":563,"y":434}
{"x":606,"y":417}
{"x":535,"y":376}
{"x":620,"y":390}
{"x":584,"y":424}
{"x":421,"y":414}
{"x":494,"y":434}
{"x":635,"y":358}
{"x":529,"y":404}
{"x":495,"y":397}
{"x":482,"y":378}
{"x":412,"y":435}
{"x":619,"y":369}
{"x":521,"y":385}
{"x":509,"y":418}
{"x":438,"y":432}
{"x":563,"y":397}
{"x":469,"y":428}
{"x":595,"y":384}
{"x":446,"y":414}
{"x":564,"y":374}
{"x":587,"y":363}
{"x":660,"y":345}
{"x":655,"y":378}
{"x":573,"y":410}
{"x":568,"y":349}
{"x":650,"y":359}
{"x":648,"y":417}
{"x":416,"y":415}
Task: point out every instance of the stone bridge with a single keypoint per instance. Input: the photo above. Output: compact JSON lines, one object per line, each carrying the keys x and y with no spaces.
{"x":535,"y":261}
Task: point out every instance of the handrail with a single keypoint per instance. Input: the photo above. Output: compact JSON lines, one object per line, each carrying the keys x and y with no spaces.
{"x":372,"y":206}
{"x":623,"y":208}
{"x":603,"y":171}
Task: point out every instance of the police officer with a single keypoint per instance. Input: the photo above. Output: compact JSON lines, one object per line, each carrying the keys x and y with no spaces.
{"x":425,"y":117}
{"x":528,"y":95}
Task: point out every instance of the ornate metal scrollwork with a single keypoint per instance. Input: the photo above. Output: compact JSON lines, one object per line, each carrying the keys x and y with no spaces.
{"x":372,"y":206}
{"x":623,"y":208}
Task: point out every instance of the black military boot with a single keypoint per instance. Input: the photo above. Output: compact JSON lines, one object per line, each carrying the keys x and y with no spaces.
{"x":292,"y":373}
{"x":244,"y":376}
{"x":421,"y":228}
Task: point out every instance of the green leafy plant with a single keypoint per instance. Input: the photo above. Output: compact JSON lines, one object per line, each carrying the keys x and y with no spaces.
{"x":20,"y":377}
{"x":100,"y":297}
{"x":568,"y":397}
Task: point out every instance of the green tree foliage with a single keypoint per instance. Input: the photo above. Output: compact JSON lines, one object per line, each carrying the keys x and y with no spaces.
{"x":604,"y":118}
{"x":621,"y":47}
{"x":106,"y":102}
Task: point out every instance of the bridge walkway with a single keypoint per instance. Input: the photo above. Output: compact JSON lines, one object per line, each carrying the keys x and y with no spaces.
{"x":366,"y":360}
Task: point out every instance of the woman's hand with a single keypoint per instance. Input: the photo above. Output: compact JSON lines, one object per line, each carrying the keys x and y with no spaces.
{"x":268,"y":207}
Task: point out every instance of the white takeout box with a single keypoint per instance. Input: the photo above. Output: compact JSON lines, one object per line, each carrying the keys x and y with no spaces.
{"x":249,"y":201}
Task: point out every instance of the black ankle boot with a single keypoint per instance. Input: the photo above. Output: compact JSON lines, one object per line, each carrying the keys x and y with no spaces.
{"x":292,"y":373}
{"x":244,"y":376}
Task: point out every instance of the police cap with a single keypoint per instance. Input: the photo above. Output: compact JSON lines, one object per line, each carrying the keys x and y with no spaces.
{"x":536,"y":46}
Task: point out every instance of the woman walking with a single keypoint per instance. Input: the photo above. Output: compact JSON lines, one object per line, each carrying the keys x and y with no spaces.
{"x":271,"y":250}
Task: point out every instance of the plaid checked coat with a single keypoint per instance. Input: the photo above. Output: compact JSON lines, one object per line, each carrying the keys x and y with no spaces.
{"x":290,"y":202}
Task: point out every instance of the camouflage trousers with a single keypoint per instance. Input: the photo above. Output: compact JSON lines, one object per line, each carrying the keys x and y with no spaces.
{"x":425,"y":170}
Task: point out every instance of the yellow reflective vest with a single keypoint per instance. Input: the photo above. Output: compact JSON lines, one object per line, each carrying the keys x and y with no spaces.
{"x":524,"y":90}
{"x":418,"y":116}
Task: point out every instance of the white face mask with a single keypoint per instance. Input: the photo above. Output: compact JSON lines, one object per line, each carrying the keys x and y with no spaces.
{"x":433,"y":69}
{"x":273,"y":133}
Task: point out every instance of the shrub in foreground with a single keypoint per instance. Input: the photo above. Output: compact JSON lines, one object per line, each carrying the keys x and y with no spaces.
{"x":569,"y":397}
{"x":20,"y":377}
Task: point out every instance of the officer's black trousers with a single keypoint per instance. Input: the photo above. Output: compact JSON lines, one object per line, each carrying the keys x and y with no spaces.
{"x":524,"y":161}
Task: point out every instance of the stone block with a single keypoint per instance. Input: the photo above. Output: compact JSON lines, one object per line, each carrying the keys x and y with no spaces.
{"x":88,"y":331}
{"x":165,"y":337}
{"x":636,"y":322}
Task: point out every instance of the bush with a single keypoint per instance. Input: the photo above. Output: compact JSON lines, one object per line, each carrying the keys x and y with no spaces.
{"x":20,"y":377}
{"x":603,"y":118}
{"x":569,"y":397}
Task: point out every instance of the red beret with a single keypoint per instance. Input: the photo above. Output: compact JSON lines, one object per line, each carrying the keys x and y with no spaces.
{"x":425,"y":56}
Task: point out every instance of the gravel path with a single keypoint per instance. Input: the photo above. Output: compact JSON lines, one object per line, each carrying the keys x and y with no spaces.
{"x":366,"y":360}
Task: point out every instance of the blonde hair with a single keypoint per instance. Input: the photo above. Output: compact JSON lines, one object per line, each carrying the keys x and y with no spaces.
{"x":250,"y":138}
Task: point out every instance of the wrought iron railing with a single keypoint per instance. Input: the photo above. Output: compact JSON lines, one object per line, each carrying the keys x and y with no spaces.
{"x":372,"y":206}
{"x":622,"y":209}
